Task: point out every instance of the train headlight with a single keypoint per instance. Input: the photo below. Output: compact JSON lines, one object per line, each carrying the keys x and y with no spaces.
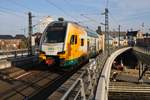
{"x":42,"y":56}
{"x":42,"y":52}
{"x":62,"y":52}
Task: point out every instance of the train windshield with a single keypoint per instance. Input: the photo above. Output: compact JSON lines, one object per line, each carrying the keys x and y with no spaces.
{"x":55,"y":34}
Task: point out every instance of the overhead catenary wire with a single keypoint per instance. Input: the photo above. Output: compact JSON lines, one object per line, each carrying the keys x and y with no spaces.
{"x":132,"y":17}
{"x":85,"y":15}
{"x":1,"y":13}
{"x":54,"y":5}
{"x":107,"y":2}
{"x":92,"y":14}
{"x":113,"y":18}
{"x":111,"y":15}
{"x":4,"y":8}
{"x":70,"y":4}
{"x":120,"y":22}
{"x":11,"y":12}
{"x":21,"y":5}
{"x":7,"y":9}
{"x":92,"y":20}
{"x":14,"y":13}
{"x":82,"y":22}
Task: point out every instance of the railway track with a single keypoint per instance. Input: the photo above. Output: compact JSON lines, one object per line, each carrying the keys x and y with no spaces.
{"x":64,"y":87}
{"x":36,"y":82}
{"x":60,"y":92}
{"x":11,"y":72}
{"x":50,"y":87}
{"x":128,"y":91}
{"x":129,"y":87}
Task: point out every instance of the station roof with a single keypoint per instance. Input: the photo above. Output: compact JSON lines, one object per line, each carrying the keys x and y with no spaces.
{"x":6,"y":37}
{"x":146,"y":34}
{"x":19,"y":36}
{"x":132,"y":33}
{"x":91,"y":33}
{"x":116,"y":34}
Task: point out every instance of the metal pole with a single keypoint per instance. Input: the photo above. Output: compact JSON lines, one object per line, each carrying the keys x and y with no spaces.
{"x":106,"y":30}
{"x":119,"y":35}
{"x":139,"y":69}
{"x":30,"y":32}
{"x":143,"y":27}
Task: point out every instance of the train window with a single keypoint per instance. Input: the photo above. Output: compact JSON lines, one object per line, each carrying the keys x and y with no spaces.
{"x":73,"y":39}
{"x":82,"y":42}
{"x":55,"y":34}
{"x":88,"y":44}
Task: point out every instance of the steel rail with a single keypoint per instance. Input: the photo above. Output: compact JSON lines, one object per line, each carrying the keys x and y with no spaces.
{"x":42,"y":74}
{"x":50,"y":87}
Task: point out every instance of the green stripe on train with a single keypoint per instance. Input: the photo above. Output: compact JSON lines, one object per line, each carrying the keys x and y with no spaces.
{"x":69,"y":63}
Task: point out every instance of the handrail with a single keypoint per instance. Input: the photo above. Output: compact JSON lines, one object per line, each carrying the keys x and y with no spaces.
{"x":9,"y":51}
{"x":91,"y":73}
{"x":14,"y":53}
{"x":72,"y":87}
{"x":103,"y":84}
{"x":85,"y":85}
{"x":145,"y":50}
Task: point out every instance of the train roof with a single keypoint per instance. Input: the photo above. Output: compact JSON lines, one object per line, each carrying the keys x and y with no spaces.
{"x":64,"y":23}
{"x":58,"y":23}
{"x":91,"y":33}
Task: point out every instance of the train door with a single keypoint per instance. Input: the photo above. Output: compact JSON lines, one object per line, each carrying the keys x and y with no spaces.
{"x":88,"y":46}
{"x":95,"y":45}
{"x":83,"y":45}
{"x":73,"y":44}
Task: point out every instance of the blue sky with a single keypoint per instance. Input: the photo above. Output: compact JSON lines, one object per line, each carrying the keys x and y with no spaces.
{"x":128,"y":13}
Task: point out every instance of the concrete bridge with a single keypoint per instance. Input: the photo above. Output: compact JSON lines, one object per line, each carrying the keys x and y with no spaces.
{"x":92,"y":81}
{"x":103,"y":84}
{"x":143,"y":57}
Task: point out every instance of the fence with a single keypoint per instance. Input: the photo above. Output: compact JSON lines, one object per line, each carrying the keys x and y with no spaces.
{"x":84,"y":88}
{"x":14,"y":53}
{"x":145,"y":50}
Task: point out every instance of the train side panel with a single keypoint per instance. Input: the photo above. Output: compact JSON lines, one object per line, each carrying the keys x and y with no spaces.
{"x":94,"y":44}
{"x":76,"y":45}
{"x":72,"y":45}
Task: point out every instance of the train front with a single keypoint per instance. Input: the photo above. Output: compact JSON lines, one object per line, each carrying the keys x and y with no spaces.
{"x":52,"y":43}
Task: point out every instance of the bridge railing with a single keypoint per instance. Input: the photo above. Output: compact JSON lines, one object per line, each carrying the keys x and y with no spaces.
{"x":103,"y":85}
{"x":14,"y":53}
{"x":142,"y":49}
{"x":84,"y":86}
